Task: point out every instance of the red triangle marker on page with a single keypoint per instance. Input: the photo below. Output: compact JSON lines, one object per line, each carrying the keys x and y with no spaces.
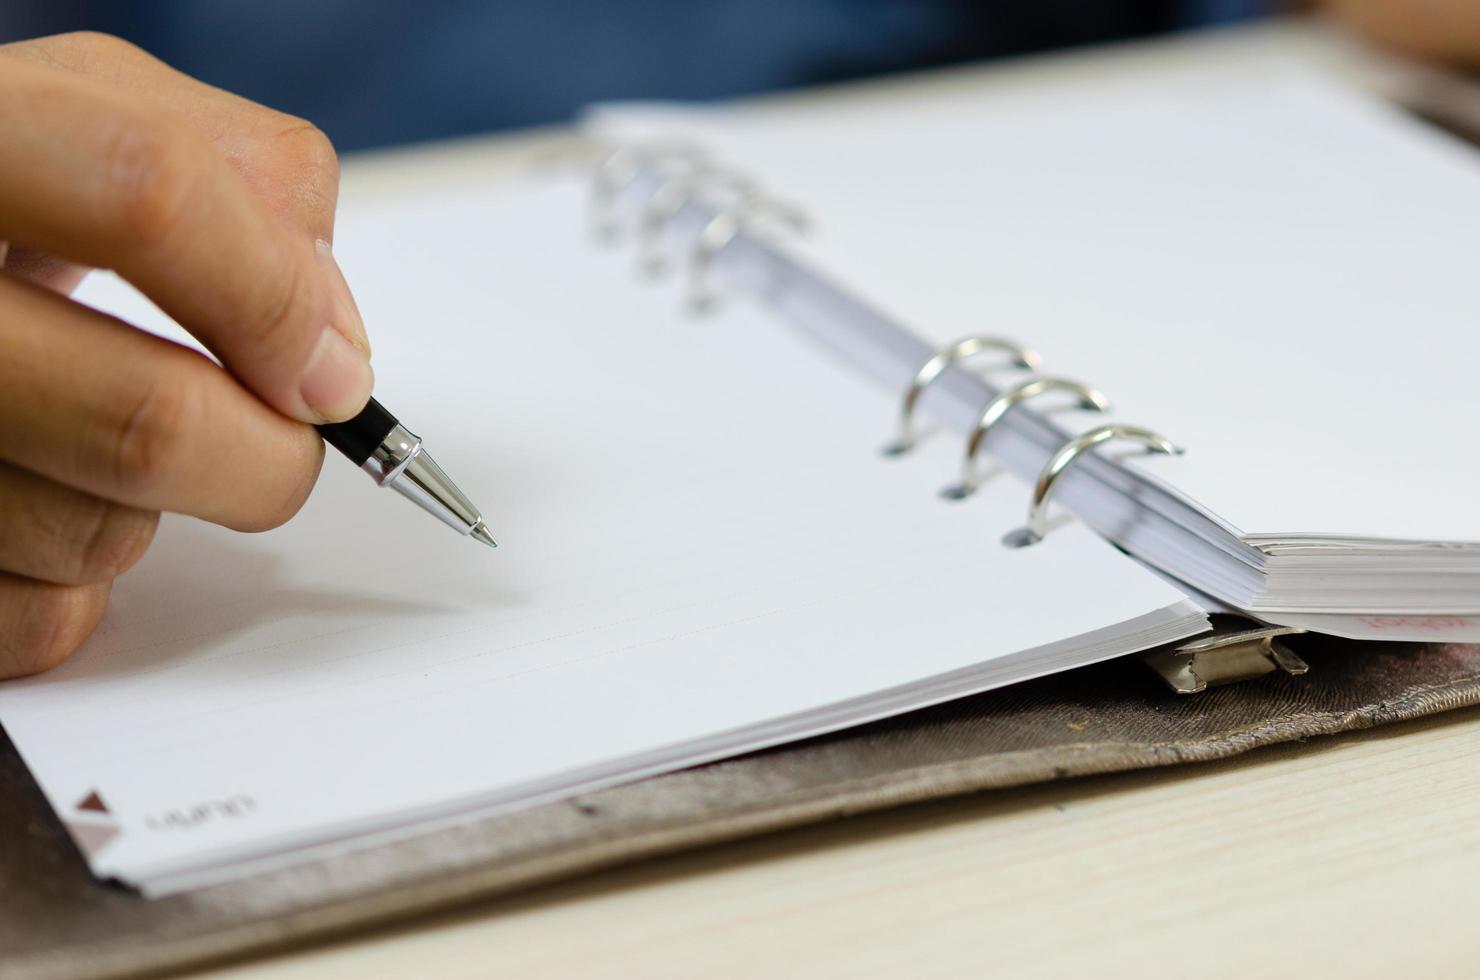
{"x":93,"y":802}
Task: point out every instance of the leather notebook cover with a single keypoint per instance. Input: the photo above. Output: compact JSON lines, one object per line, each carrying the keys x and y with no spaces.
{"x":57,"y":921}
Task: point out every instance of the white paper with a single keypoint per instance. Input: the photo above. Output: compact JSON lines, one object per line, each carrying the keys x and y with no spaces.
{"x":1274,"y":272}
{"x":701,"y":551}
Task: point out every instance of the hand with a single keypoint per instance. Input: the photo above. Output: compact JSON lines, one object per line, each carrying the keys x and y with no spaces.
{"x":221,"y":212}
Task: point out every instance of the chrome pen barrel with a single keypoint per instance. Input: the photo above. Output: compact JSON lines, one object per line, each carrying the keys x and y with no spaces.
{"x":395,"y":452}
{"x":400,"y":462}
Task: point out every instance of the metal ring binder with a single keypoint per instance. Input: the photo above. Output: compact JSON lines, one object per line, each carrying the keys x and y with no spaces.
{"x":1233,"y":651}
{"x":1022,"y":357}
{"x":1089,"y":399}
{"x":722,"y":229}
{"x":672,"y":194}
{"x":620,"y":168}
{"x":1062,"y":459}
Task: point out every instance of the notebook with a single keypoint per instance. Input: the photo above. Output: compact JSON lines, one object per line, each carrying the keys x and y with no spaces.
{"x":1268,"y":269}
{"x":704,"y":550}
{"x":700,"y":554}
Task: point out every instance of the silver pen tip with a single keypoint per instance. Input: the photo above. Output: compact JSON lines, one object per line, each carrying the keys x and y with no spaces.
{"x":480,"y":532}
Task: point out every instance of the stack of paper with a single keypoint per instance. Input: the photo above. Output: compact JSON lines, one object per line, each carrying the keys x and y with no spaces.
{"x":701,"y":554}
{"x":1272,"y":271}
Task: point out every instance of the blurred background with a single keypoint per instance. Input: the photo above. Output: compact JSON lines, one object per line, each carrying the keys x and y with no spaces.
{"x":377,"y":72}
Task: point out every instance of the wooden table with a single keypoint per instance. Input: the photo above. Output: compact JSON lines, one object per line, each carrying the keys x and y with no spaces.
{"x":1355,"y":856}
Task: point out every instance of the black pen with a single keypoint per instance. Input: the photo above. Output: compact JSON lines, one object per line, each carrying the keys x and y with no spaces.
{"x":380,"y":445}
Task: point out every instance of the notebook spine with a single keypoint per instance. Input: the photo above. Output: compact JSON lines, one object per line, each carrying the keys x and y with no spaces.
{"x":1086,"y":399}
{"x":676,"y":174}
{"x":1028,"y":360}
{"x":679,"y":173}
{"x":1037,"y":524}
{"x":673,"y":192}
{"x":619,"y":168}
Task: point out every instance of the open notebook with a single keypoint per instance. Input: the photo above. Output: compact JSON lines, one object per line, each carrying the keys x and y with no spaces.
{"x":1271,"y":271}
{"x":704,"y":551}
{"x":701,"y":554}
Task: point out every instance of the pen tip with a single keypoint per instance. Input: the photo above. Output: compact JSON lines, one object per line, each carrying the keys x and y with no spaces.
{"x":480,"y":532}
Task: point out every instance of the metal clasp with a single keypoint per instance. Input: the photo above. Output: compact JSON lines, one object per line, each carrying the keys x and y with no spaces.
{"x":1238,"y":649}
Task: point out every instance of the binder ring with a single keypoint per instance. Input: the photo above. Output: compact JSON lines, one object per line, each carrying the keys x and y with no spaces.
{"x":672,"y":194}
{"x":1090,"y":400}
{"x":619,"y":169}
{"x":1062,"y":459}
{"x":722,"y":229}
{"x":1022,"y":357}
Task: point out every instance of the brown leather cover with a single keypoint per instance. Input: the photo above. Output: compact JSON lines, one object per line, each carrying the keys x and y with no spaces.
{"x":56,"y":921}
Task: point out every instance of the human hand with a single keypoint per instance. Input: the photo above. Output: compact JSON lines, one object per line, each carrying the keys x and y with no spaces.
{"x":220,"y":211}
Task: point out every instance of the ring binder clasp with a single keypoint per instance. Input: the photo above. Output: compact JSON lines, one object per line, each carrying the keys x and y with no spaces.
{"x":722,"y":229}
{"x":1089,"y":400}
{"x":1022,"y":357}
{"x":619,"y":169}
{"x":1062,"y":459}
{"x":1238,"y":649}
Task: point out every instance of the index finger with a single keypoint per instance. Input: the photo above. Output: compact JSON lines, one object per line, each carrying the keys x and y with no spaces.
{"x":90,"y":176}
{"x":286,"y":161}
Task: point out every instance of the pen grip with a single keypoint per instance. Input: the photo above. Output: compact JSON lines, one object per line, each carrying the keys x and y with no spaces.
{"x":358,"y":437}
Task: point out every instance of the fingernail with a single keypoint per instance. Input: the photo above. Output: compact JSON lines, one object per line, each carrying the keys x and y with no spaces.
{"x":338,"y":379}
{"x":344,"y":313}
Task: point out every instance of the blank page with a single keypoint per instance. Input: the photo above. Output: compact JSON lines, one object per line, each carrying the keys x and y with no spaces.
{"x":1275,"y":272}
{"x":701,"y":553}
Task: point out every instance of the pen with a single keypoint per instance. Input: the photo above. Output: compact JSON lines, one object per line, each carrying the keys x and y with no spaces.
{"x":379,"y":444}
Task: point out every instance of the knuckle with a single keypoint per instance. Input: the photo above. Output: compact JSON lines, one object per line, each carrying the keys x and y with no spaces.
{"x":117,"y":538}
{"x":98,"y":43}
{"x":84,"y":52}
{"x":150,"y":176}
{"x":308,"y":152}
{"x":96,"y":40}
{"x":147,"y":442}
{"x":53,"y":623}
